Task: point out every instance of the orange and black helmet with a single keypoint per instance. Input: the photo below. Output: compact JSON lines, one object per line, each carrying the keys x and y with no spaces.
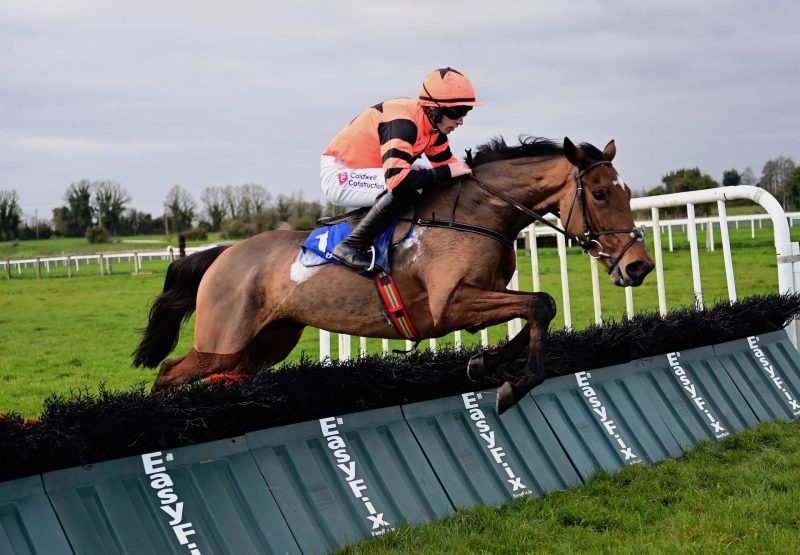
{"x":447,"y":87}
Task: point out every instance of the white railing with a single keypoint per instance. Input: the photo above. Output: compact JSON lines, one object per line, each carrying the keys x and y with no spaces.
{"x":788,"y":254}
{"x":101,"y":260}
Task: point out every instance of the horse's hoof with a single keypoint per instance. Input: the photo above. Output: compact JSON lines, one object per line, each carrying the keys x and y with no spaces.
{"x":505,"y":398}
{"x":476,"y":369}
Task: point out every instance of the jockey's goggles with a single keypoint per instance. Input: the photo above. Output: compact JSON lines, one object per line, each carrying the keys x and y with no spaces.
{"x":456,"y":112}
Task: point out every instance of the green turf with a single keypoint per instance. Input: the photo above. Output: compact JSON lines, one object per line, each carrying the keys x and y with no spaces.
{"x":738,"y":496}
{"x":60,"y":334}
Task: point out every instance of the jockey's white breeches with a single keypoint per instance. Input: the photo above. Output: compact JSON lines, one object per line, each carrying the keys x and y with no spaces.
{"x":345,"y":186}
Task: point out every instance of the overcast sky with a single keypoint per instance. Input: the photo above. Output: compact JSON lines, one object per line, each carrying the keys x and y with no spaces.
{"x":154,"y":94}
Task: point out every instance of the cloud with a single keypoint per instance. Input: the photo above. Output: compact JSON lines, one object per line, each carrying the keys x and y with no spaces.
{"x":153,"y":94}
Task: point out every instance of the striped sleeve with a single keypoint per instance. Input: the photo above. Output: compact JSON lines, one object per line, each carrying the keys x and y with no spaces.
{"x":439,"y":152}
{"x":397,"y":138}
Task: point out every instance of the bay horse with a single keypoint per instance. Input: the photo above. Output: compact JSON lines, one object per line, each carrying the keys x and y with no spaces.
{"x":253,"y":299}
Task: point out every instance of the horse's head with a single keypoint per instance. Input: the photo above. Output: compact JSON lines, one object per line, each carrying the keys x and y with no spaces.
{"x":598,"y":213}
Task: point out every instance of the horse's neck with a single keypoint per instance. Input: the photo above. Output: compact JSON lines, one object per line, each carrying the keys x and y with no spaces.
{"x":538,"y":185}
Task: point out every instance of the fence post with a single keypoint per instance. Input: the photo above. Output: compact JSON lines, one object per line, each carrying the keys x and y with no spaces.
{"x":100,"y":261}
{"x":69,"y":266}
{"x":38,"y":265}
{"x":136,"y":263}
{"x":8,"y":268}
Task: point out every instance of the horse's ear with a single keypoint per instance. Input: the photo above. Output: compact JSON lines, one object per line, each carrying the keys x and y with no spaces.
{"x":610,"y":150}
{"x":573,"y":154}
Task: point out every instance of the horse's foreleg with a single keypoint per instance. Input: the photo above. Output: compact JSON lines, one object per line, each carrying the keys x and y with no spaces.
{"x":480,"y":364}
{"x":493,"y":307}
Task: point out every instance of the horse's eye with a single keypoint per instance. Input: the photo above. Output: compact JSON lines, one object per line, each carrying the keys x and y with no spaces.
{"x":599,"y":194}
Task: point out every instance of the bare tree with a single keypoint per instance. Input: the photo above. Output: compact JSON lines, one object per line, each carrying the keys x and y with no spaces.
{"x":748,"y":177}
{"x":214,"y":201}
{"x":180,"y":208}
{"x":231,"y":196}
{"x":109,"y":203}
{"x":774,"y":176}
{"x":10,"y":214}
{"x":255,"y":196}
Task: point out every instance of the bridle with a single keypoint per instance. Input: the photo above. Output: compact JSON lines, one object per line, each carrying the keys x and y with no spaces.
{"x":591,"y":236}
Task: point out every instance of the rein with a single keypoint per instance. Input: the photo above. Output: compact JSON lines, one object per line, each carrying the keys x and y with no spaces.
{"x":590,"y":235}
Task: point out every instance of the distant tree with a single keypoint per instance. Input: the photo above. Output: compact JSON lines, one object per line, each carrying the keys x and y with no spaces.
{"x":284,"y":208}
{"x":255,"y":198}
{"x":10,"y":215}
{"x":687,"y":179}
{"x":731,"y":178}
{"x":793,"y":190}
{"x":213,"y":199}
{"x":180,"y":208}
{"x":748,"y":177}
{"x":774,"y":176}
{"x":109,"y":204}
{"x":231,"y":198}
{"x":134,"y":222}
{"x":75,"y":218}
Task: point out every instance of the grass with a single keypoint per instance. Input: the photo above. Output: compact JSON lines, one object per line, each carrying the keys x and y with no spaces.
{"x":735,"y":496}
{"x":59,"y":334}
{"x":62,"y":334}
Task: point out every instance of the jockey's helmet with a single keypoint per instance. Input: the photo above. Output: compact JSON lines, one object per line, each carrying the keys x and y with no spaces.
{"x":447,"y":87}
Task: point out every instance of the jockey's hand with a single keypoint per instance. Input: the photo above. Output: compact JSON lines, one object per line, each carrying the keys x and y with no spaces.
{"x":459,"y":167}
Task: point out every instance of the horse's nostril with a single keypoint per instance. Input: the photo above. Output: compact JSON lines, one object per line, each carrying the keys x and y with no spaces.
{"x":638,"y":269}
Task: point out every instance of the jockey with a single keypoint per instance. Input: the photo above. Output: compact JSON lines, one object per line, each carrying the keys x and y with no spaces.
{"x":371,"y":161}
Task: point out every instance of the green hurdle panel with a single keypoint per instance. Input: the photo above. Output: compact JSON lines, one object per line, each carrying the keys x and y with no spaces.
{"x":481,"y":458}
{"x":766,"y":369}
{"x":203,"y":499}
{"x":604,"y":419}
{"x":28,"y":523}
{"x":699,"y":400}
{"x":342,"y":479}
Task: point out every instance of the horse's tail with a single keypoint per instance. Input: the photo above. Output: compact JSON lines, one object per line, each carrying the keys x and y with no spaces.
{"x":173,"y":306}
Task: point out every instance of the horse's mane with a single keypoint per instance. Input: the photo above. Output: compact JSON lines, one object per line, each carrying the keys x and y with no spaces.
{"x":529,"y":147}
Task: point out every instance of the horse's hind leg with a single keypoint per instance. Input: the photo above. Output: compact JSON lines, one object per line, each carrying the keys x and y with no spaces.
{"x":275,"y":341}
{"x":196,"y":365}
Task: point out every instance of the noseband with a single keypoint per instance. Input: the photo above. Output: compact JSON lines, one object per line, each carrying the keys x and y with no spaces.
{"x":591,"y":236}
{"x":635,"y":234}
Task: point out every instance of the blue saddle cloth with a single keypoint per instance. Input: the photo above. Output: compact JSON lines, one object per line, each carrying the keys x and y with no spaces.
{"x":317,"y":248}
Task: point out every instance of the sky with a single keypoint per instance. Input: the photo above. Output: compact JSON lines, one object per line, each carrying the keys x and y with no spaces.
{"x":153,"y":94}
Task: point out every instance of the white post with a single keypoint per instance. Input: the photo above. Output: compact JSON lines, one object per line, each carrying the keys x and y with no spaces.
{"x":726,"y":249}
{"x":485,"y":337}
{"x":324,"y":345}
{"x":515,"y":325}
{"x":710,"y":236}
{"x":433,"y":344}
{"x":344,"y":347}
{"x":698,"y":288}
{"x":662,"y":295}
{"x":598,"y":311}
{"x":457,"y":339}
{"x":669,"y":232}
{"x":629,"y":301}
{"x":362,"y":347}
{"x":562,"y":256}
{"x":534,"y":259}
{"x":384,"y":346}
{"x":753,"y":228}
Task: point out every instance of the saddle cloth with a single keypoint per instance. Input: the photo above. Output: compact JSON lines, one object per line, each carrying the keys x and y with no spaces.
{"x":317,"y":248}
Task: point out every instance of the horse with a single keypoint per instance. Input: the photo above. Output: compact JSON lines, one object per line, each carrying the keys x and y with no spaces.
{"x":253,"y":299}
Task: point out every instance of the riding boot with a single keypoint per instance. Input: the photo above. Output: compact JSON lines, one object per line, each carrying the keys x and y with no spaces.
{"x":356,"y":249}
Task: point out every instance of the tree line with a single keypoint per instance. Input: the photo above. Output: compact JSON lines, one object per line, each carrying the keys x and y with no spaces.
{"x":99,"y":210}
{"x":780,"y":177}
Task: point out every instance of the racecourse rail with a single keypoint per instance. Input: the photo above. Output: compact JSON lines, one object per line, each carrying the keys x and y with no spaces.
{"x":787,"y":254}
